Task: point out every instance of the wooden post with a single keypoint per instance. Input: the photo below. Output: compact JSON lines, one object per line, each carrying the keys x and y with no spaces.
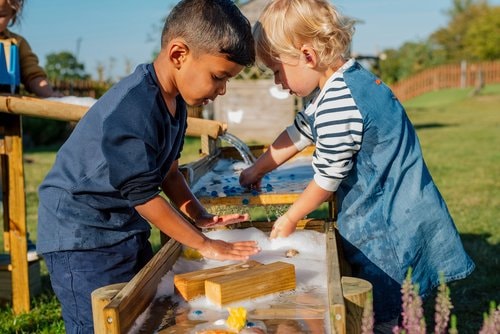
{"x":15,"y":211}
{"x":336,"y":304}
{"x":100,"y":299}
{"x":356,"y":292}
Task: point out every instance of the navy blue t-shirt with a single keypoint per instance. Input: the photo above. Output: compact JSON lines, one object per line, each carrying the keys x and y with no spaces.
{"x":116,"y":158}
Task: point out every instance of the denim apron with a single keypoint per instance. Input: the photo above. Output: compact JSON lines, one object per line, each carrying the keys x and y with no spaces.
{"x":391,"y":215}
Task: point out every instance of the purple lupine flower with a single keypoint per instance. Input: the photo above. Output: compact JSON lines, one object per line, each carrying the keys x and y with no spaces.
{"x":442,"y":308}
{"x":367,"y":321}
{"x":413,"y":313}
{"x":491,"y":322}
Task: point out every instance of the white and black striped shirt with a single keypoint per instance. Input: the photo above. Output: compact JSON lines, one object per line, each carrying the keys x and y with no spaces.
{"x":334,"y":124}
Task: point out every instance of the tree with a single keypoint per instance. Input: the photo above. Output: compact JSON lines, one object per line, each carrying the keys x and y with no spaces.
{"x":64,"y":66}
{"x":472,"y":34}
{"x":452,"y":40}
{"x":482,"y":39}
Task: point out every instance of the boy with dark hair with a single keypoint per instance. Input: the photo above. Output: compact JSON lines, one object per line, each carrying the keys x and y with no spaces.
{"x":104,"y":188}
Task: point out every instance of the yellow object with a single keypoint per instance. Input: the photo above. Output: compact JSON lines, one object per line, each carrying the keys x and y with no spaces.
{"x":237,"y":318}
{"x":191,"y":254}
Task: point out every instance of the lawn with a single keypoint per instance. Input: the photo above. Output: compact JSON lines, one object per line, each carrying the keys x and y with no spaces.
{"x":460,"y":137}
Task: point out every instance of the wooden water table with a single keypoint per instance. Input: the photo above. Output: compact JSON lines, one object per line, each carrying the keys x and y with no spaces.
{"x":12,"y":109}
{"x":117,"y":307}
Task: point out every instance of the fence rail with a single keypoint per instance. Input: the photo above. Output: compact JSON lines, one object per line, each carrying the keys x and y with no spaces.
{"x":448,"y":76}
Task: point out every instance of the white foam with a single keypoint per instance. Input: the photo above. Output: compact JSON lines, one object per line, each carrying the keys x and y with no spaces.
{"x":310,"y":270}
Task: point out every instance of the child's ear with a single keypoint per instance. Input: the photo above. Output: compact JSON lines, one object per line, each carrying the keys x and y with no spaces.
{"x":310,"y":56}
{"x":177,"y":52}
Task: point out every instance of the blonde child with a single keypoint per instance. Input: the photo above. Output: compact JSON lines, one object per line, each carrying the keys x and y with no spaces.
{"x":391,"y":216}
{"x":97,"y":201}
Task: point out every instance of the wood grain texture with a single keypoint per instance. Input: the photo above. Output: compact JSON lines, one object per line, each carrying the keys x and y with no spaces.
{"x":259,"y":281}
{"x":192,"y":284}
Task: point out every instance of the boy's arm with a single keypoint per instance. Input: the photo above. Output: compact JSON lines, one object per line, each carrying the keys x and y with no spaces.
{"x":279,"y":152}
{"x":179,"y":193}
{"x":161,"y":214}
{"x":308,"y":201}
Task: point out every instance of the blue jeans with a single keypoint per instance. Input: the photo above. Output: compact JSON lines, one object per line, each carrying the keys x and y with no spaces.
{"x":75,"y":274}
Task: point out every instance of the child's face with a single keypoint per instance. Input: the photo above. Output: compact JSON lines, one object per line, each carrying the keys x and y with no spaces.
{"x":6,"y":13}
{"x":204,"y":77}
{"x":293,"y":74}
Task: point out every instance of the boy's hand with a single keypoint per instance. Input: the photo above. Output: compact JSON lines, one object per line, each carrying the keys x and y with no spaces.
{"x":221,"y":250}
{"x":250,"y":179}
{"x":282,"y":227}
{"x":208,"y":220}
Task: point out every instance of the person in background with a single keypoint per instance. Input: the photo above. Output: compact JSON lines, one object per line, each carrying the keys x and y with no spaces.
{"x":391,"y":216}
{"x":33,"y":77}
{"x":105,"y":186}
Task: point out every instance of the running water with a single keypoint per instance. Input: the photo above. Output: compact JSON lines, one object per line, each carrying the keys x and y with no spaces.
{"x":240,"y":146}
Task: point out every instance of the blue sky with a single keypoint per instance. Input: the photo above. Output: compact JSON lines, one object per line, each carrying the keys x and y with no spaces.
{"x":116,"y":32}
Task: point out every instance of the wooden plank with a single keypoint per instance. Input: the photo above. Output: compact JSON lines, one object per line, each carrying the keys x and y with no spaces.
{"x":138,"y":293}
{"x":259,"y":281}
{"x":287,"y":313}
{"x":192,"y":284}
{"x":195,"y":170}
{"x":199,"y":126}
{"x":335,"y":296}
{"x":303,"y":224}
{"x":36,"y":107}
{"x":16,"y":213}
{"x":259,"y":199}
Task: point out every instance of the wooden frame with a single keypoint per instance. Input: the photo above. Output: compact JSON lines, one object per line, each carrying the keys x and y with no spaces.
{"x":12,"y":174}
{"x":114,"y":313}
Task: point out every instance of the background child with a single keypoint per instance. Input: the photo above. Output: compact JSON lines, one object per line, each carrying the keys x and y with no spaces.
{"x":390,"y":214}
{"x":104,"y":188}
{"x":33,"y":77}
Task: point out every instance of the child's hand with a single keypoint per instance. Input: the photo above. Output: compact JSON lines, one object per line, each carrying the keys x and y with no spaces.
{"x":209,"y":220}
{"x":221,"y":250}
{"x":250,"y":179}
{"x":282,"y":227}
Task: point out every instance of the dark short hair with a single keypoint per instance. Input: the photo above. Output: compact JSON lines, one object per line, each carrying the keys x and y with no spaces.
{"x":211,"y":26}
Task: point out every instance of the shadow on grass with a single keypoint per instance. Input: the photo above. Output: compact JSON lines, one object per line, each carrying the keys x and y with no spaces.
{"x":471,"y":296}
{"x":430,"y":126}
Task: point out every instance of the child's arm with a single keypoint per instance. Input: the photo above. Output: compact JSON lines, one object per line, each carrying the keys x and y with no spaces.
{"x":42,"y":88}
{"x":312,"y":197}
{"x":161,"y":214}
{"x":279,"y":152}
{"x":177,"y":190}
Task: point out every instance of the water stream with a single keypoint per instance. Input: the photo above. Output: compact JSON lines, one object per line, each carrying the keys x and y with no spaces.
{"x":240,"y":146}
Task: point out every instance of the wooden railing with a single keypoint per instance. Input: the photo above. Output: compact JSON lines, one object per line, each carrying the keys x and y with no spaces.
{"x":12,"y":108}
{"x":448,"y":76}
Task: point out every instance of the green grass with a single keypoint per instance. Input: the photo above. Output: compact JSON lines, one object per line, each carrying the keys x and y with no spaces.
{"x":460,"y":138}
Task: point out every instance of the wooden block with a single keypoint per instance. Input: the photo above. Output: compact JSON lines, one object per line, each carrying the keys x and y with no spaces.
{"x":192,"y":284}
{"x":255,"y":282}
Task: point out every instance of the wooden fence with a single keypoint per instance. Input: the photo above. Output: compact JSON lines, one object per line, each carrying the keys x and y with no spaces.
{"x":82,"y":88}
{"x":448,"y":76}
{"x":441,"y":77}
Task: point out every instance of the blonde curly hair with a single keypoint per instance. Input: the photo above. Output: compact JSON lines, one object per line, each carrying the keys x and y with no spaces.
{"x":286,"y":25}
